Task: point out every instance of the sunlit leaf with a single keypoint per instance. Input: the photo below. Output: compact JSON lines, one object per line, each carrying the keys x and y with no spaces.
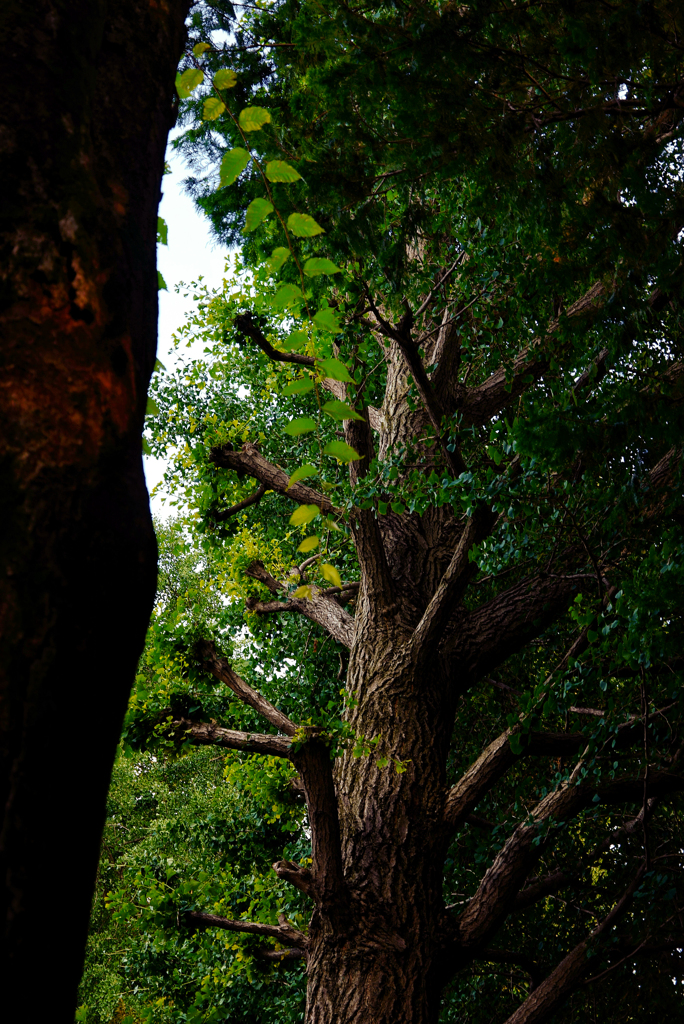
{"x":303,"y":226}
{"x":213,"y":108}
{"x":334,"y":369}
{"x":233,"y":164}
{"x":294,"y":341}
{"x":302,"y":425}
{"x":200,"y":48}
{"x":320,"y":265}
{"x":331,"y":574}
{"x":304,"y":591}
{"x":251,"y":119}
{"x":299,"y":387}
{"x":280,"y":170}
{"x":308,"y":544}
{"x":302,"y":473}
{"x":341,"y":411}
{"x":286,"y":296}
{"x":327,"y":319}
{"x":277,"y":258}
{"x":341,"y":450}
{"x":304,"y":514}
{"x":188,"y":81}
{"x":225,"y":79}
{"x":257,"y":211}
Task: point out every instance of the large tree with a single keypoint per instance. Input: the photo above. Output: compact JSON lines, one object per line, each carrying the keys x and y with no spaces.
{"x":494,"y":192}
{"x":88,"y":104}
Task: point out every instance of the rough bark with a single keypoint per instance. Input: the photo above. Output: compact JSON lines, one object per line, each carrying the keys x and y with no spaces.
{"x":88,"y":103}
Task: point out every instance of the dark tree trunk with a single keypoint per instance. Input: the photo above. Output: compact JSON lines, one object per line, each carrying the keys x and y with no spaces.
{"x":86,"y":110}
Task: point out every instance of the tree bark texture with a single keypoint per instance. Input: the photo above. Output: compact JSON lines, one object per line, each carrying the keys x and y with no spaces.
{"x":88,"y":104}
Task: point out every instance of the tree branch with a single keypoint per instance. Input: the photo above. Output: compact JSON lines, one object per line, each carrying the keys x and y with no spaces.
{"x":220,"y":668}
{"x":315,"y":769}
{"x":208,"y":733}
{"x":246,"y":325}
{"x":250,"y":460}
{"x":321,"y":609}
{"x":254,"y":499}
{"x":283,"y":932}
{"x":545,"y":998}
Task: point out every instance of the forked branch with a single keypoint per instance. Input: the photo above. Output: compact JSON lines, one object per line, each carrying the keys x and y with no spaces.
{"x":222,"y":670}
{"x":283,"y":932}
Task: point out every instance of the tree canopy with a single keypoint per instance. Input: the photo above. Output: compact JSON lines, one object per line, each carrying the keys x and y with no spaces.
{"x":428,"y":570}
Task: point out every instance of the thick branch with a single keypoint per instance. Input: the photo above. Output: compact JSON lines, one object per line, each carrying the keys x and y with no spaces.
{"x":325,"y":611}
{"x":220,"y":668}
{"x":496,"y":893}
{"x":315,"y":769}
{"x":283,"y":932}
{"x":250,"y":460}
{"x":215,"y":735}
{"x":541,"y":1003}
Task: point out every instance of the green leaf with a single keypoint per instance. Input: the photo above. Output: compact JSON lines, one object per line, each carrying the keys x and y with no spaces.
{"x":302,"y":425}
{"x":308,"y":544}
{"x":213,"y":108}
{"x":342,"y":451}
{"x":257,"y":211}
{"x":187,"y":82}
{"x":334,"y":369}
{"x":296,"y":340}
{"x":200,"y":48}
{"x":233,"y":164}
{"x":162,"y":231}
{"x":303,"y":226}
{"x":398,"y":507}
{"x":277,"y":258}
{"x":251,"y":119}
{"x":161,"y":283}
{"x":145,"y":447}
{"x":280,"y":170}
{"x":341,"y":411}
{"x":299,"y":387}
{"x":302,"y":473}
{"x":286,"y":296}
{"x":320,"y":265}
{"x":151,"y":409}
{"x":304,"y":514}
{"x":225,"y":79}
{"x":327,"y":320}
{"x":304,"y":591}
{"x":331,"y":574}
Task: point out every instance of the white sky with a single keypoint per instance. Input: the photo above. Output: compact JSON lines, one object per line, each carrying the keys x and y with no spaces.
{"x":191,"y":252}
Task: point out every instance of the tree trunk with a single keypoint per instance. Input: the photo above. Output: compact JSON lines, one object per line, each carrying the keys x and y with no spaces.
{"x":87,"y":107}
{"x":376,"y":955}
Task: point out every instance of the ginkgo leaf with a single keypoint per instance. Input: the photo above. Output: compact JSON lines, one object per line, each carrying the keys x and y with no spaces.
{"x":302,"y":425}
{"x":299,"y":387}
{"x":286,"y":296}
{"x":200,"y":48}
{"x":280,"y":170}
{"x":304,"y":591}
{"x":302,"y":473}
{"x":162,"y":231}
{"x":213,"y":108}
{"x":331,"y":574}
{"x":225,"y":79}
{"x":277,"y":258}
{"x":233,"y":164}
{"x":151,"y":409}
{"x":327,"y":319}
{"x":188,"y":81}
{"x":304,"y":514}
{"x":251,"y":119}
{"x":341,"y":411}
{"x":257,"y":211}
{"x":342,"y":451}
{"x":296,"y":340}
{"x":308,"y":544}
{"x":161,"y":283}
{"x":320,"y":265}
{"x":303,"y":226}
{"x":334,"y":369}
